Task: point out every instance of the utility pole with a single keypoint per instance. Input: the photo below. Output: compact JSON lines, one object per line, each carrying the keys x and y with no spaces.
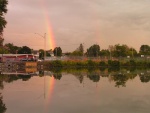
{"x":44,"y":43}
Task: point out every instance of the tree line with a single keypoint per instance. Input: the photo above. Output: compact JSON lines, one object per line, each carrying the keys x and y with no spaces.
{"x":93,"y":51}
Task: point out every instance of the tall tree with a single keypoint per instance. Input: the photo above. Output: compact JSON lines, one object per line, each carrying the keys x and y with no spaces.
{"x":3,"y":10}
{"x":145,"y":50}
{"x":57,"y":51}
{"x":104,"y":52}
{"x":11,"y":48}
{"x":41,"y":54}
{"x":79,"y":51}
{"x":93,"y":51}
{"x":120,"y":50}
{"x":24,"y":50}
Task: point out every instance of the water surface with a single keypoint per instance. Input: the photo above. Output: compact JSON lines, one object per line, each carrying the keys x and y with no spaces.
{"x":76,"y":92}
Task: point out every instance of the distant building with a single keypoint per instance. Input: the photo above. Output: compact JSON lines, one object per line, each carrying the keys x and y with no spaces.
{"x":17,"y":57}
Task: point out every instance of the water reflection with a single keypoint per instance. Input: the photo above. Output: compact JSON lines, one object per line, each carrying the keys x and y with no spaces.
{"x":2,"y":105}
{"x":119,"y":77}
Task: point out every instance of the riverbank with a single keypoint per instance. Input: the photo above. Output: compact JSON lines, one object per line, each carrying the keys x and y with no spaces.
{"x":90,"y":63}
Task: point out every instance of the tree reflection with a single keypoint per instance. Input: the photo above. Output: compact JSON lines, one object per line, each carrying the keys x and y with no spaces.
{"x":144,"y":77}
{"x":120,"y":80}
{"x":41,"y":73}
{"x":94,"y":77}
{"x":57,"y":76}
{"x":24,"y":77}
{"x":2,"y":105}
{"x":1,"y":81}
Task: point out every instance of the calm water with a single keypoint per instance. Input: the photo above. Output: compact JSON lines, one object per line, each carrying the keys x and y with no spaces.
{"x":76,"y":92}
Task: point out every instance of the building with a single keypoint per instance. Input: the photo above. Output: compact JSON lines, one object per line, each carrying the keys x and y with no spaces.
{"x":18,"y":57}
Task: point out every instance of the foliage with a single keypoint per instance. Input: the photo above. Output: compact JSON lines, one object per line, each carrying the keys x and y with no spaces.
{"x":93,"y":51}
{"x":91,"y":63}
{"x":104,"y":52}
{"x":144,"y":50}
{"x":94,"y":77}
{"x":120,"y":50}
{"x":145,"y":77}
{"x":57,"y":51}
{"x":120,"y":80}
{"x":2,"y":105}
{"x":76,"y":53}
{"x":132,"y":52}
{"x":56,"y":63}
{"x":3,"y":50}
{"x":11,"y":48}
{"x":102,"y":64}
{"x":3,"y":10}
{"x":24,"y":50}
{"x":113,"y":63}
{"x":41,"y":54}
{"x":79,"y":51}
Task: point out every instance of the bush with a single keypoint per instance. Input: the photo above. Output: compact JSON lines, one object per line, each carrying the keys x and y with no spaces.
{"x":91,"y":63}
{"x":114,"y":63}
{"x":56,"y":63}
{"x":102,"y":64}
{"x":132,"y":63}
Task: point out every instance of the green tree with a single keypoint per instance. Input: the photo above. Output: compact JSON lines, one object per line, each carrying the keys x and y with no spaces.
{"x":132,"y":52}
{"x":93,"y":51}
{"x":3,"y":50}
{"x":120,"y":50}
{"x":104,"y":52}
{"x":41,"y":54}
{"x":79,"y":51}
{"x":3,"y":10}
{"x":11,"y":48}
{"x":144,"y":50}
{"x":57,"y":51}
{"x":24,"y":50}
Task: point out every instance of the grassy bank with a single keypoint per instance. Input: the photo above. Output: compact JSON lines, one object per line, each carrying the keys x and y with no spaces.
{"x":93,"y":64}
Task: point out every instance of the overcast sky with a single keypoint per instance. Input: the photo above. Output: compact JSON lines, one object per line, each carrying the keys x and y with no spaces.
{"x":103,"y":22}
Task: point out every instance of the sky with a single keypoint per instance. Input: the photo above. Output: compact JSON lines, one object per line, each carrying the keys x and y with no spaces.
{"x":68,"y":23}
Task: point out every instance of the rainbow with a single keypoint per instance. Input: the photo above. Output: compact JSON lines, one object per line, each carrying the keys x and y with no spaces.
{"x":49,"y":32}
{"x":50,"y":87}
{"x":51,"y":40}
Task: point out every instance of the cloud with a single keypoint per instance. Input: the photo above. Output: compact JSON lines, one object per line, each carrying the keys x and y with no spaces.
{"x":78,"y":21}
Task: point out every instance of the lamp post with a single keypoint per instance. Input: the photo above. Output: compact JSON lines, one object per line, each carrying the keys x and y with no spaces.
{"x":44,"y":43}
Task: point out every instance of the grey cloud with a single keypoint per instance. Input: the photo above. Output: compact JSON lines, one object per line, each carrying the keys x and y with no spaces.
{"x":79,"y":20}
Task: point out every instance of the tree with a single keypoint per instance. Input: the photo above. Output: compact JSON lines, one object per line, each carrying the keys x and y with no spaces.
{"x":41,"y":54}
{"x":104,"y":52}
{"x":3,"y":10}
{"x":120,"y":50}
{"x":145,"y":50}
{"x":57,"y":51}
{"x":3,"y":50}
{"x":24,"y":50}
{"x":11,"y":48}
{"x":93,"y":51}
{"x":2,"y":105}
{"x":132,"y":52}
{"x":79,"y":51}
